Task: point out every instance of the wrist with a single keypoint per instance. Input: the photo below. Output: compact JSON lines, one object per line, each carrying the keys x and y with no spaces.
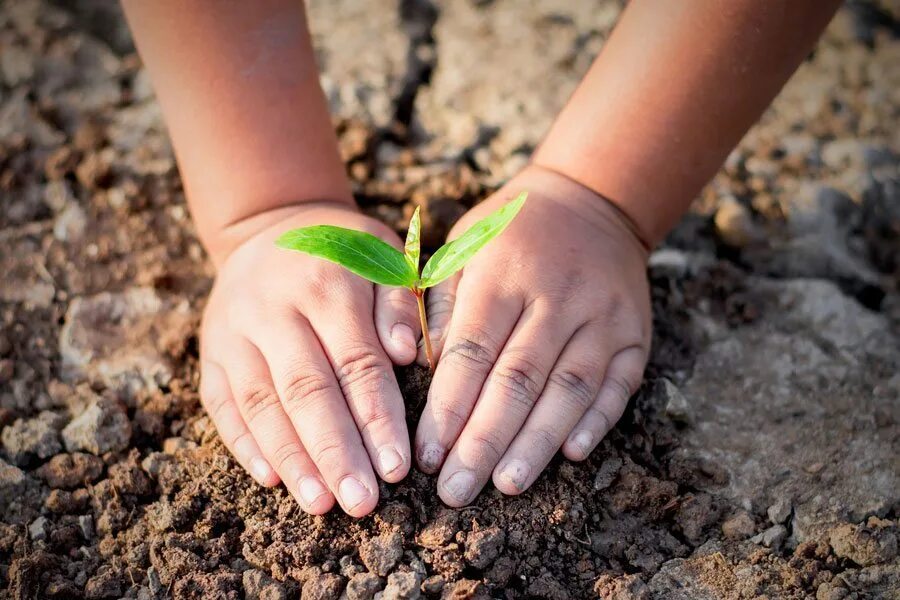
{"x":222,"y":240}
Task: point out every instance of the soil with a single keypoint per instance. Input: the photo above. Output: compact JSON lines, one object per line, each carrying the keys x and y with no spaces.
{"x":758,"y":460}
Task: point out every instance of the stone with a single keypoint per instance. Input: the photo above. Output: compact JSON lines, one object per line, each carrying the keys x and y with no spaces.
{"x":27,"y":439}
{"x":364,"y":586}
{"x":37,"y":530}
{"x":607,"y":473}
{"x":86,"y":525}
{"x":779,"y":512}
{"x":403,"y":586}
{"x":739,"y":526}
{"x":772,"y":537}
{"x":70,"y":224}
{"x":872,"y":543}
{"x":484,"y":546}
{"x":676,"y":405}
{"x":103,"y":427}
{"x":734,"y":224}
{"x":381,"y":553}
{"x":122,"y":339}
{"x":259,"y":585}
{"x":12,"y":482}
{"x":67,"y":471}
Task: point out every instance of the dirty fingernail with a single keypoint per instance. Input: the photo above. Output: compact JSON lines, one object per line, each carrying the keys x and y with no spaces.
{"x":583,"y":440}
{"x":516,"y":472}
{"x":353,"y":493}
{"x":460,"y":484}
{"x":389,"y":460}
{"x":260,"y":468}
{"x":311,"y":489}
{"x":402,"y":335}
{"x":431,"y":456}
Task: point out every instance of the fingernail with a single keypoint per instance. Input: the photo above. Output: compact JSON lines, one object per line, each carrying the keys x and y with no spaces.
{"x":431,"y":456}
{"x":402,"y":335}
{"x":353,"y":493}
{"x":460,"y":484}
{"x":311,"y":489}
{"x":516,"y":472}
{"x":583,"y":439}
{"x":260,"y":468}
{"x":389,"y":460}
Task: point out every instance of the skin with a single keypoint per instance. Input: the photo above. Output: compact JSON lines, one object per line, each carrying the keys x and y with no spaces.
{"x":297,"y":353}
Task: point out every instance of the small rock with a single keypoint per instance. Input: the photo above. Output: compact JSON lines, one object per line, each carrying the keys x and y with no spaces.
{"x":440,"y":531}
{"x":871,"y":543}
{"x":433,"y":585}
{"x":38,"y":529}
{"x":607,"y":473}
{"x":771,"y":537}
{"x":154,"y":462}
{"x":107,"y":583}
{"x":70,"y":224}
{"x":71,"y":470}
{"x":669,"y":261}
{"x":831,"y":590}
{"x":677,"y":407}
{"x":403,"y":586}
{"x":12,"y":482}
{"x":780,"y":511}
{"x":364,"y":586}
{"x":258,"y":585}
{"x":734,"y":224}
{"x":86,"y":524}
{"x":173,"y":444}
{"x":739,"y":527}
{"x":322,"y":586}
{"x":26,"y":439}
{"x":380,"y":554}
{"x":484,"y":546}
{"x":103,"y":427}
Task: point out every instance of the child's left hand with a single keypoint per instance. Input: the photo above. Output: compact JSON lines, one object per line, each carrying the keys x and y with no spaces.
{"x":545,"y":335}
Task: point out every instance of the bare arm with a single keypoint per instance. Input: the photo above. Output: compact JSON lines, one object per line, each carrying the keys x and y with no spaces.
{"x":673,"y":90}
{"x":239,"y":88}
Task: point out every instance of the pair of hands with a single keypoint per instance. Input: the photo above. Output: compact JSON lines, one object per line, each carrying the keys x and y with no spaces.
{"x":540,"y":341}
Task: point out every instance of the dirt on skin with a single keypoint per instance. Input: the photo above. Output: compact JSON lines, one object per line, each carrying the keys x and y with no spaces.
{"x":114,"y":483}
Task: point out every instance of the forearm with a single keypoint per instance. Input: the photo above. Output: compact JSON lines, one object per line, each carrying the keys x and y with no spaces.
{"x":672,"y":92}
{"x":239,"y":88}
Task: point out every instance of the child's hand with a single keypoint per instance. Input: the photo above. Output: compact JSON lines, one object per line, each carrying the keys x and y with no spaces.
{"x":548,"y":338}
{"x":296,"y":367}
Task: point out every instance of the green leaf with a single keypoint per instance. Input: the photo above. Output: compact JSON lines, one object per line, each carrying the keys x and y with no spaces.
{"x":359,"y":252}
{"x":412,"y":247}
{"x":453,"y":256}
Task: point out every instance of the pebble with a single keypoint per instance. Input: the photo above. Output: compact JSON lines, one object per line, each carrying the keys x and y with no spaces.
{"x":380,"y":554}
{"x":484,"y":546}
{"x":86,"y":524}
{"x":68,"y":471}
{"x":38,"y":529}
{"x":38,"y":437}
{"x":734,"y":224}
{"x":607,"y":473}
{"x":70,"y":224}
{"x":772,"y":537}
{"x":677,"y":406}
{"x":103,"y":427}
{"x":364,"y":586}
{"x":259,"y":585}
{"x":403,"y":586}
{"x":739,"y":527}
{"x":12,"y":482}
{"x":780,"y":511}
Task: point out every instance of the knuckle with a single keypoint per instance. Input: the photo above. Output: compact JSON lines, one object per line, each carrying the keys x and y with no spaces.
{"x":487,"y":446}
{"x":449,"y":414}
{"x":284,"y":452}
{"x":521,"y":380}
{"x":619,"y":387}
{"x":232,"y":440}
{"x":577,"y":385}
{"x":305,"y":386}
{"x":601,"y":415}
{"x":399,"y":299}
{"x":327,"y":449}
{"x":257,"y":399}
{"x":361,"y":367}
{"x":327,"y":284}
{"x":374,"y":414}
{"x":474,"y":350}
{"x":544,"y":441}
{"x":441,"y":304}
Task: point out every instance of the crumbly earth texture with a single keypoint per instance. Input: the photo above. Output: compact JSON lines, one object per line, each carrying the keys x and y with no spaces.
{"x":758,"y":460}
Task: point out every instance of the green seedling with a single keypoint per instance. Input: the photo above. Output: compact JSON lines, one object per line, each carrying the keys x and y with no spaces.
{"x":379,"y":262}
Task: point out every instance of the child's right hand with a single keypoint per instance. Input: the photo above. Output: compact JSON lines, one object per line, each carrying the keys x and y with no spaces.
{"x":296,"y":373}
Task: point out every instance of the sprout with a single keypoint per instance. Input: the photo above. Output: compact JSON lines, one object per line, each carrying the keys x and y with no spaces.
{"x":374,"y":259}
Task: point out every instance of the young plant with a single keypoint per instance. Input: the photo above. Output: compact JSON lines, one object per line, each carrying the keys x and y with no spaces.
{"x":379,"y":262}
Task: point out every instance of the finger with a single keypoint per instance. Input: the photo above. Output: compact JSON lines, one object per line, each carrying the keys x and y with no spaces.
{"x":261,"y":410}
{"x":397,"y":323}
{"x":571,"y":388}
{"x":366,"y":379}
{"x":480,"y":327}
{"x":439,"y":301}
{"x":216,"y":396}
{"x":510,"y":392}
{"x":622,"y":379}
{"x":313,"y":401}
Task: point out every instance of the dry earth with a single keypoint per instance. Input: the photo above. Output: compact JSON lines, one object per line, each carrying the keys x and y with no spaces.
{"x":759,"y":460}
